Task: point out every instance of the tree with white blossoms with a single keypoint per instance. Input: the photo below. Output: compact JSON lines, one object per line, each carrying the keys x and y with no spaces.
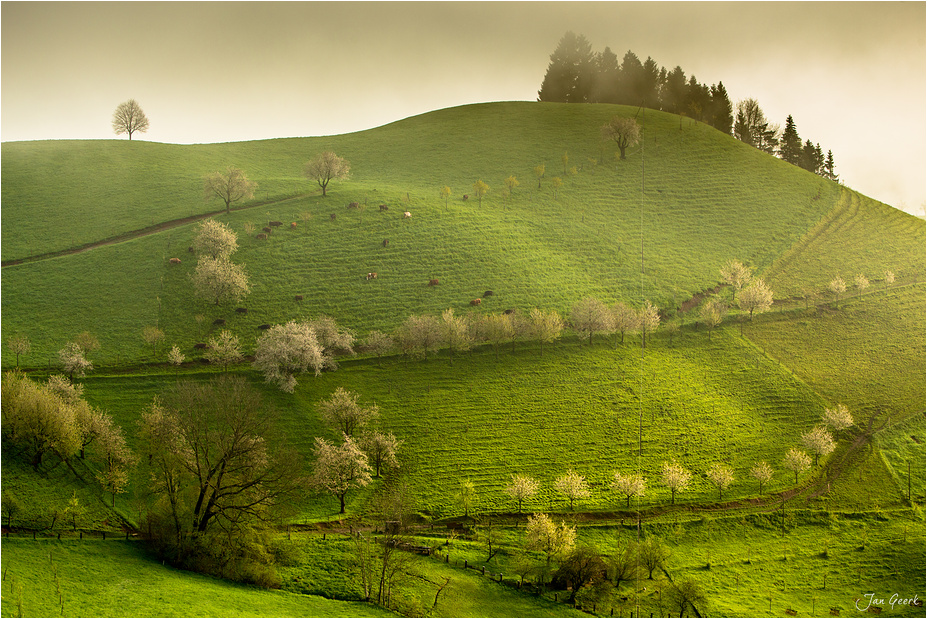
{"x":344,"y":413}
{"x":624,"y":320}
{"x":332,"y":339}
{"x":676,"y":478}
{"x":19,"y":345}
{"x":818,"y":441}
{"x":889,"y":278}
{"x":572,"y":485}
{"x":839,"y":417}
{"x":712,"y":314}
{"x":285,"y":350}
{"x":756,"y":298}
{"x":591,"y":316}
{"x":215,"y":239}
{"x":762,"y":472}
{"x":340,"y":468}
{"x":736,"y":275}
{"x":862,"y":282}
{"x":629,"y":485}
{"x":648,"y":321}
{"x":174,"y":356}
{"x":838,"y":287}
{"x":325,"y":167}
{"x":624,"y":132}
{"x":381,"y":450}
{"x":379,"y":344}
{"x":224,"y":350}
{"x":115,"y":456}
{"x":455,"y":334}
{"x":522,"y":488}
{"x":419,"y":335}
{"x":721,"y":475}
{"x":153,"y":336}
{"x":219,"y":280}
{"x":544,"y":326}
{"x":73,"y":361}
{"x":543,"y":535}
{"x":796,"y":461}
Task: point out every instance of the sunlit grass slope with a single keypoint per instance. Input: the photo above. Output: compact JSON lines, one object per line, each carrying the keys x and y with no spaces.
{"x":120,"y":579}
{"x":707,"y":198}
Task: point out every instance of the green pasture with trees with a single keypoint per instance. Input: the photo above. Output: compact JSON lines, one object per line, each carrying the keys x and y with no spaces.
{"x":388,"y":372}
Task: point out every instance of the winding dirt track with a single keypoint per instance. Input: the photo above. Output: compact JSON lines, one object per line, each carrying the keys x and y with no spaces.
{"x":134,"y":234}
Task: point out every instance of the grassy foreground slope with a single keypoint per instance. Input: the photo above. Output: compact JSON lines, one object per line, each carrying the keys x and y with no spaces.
{"x":707,"y":198}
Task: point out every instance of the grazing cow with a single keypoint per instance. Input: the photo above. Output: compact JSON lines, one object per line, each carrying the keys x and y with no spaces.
{"x":406,"y":215}
{"x":511,"y":310}
{"x":263,"y":327}
{"x":488,"y":293}
{"x":466,"y":197}
{"x":190,"y":249}
{"x":275,"y":224}
{"x":241,"y":310}
{"x":354,"y":205}
{"x":333,"y":216}
{"x":292,"y":224}
{"x":267,"y":229}
{"x":261,"y":236}
{"x":371,"y":275}
{"x":219,"y":321}
{"x":299,"y":297}
{"x":385,"y":242}
{"x":383,"y":207}
{"x":476,"y":301}
{"x":433,"y":282}
{"x":175,"y":261}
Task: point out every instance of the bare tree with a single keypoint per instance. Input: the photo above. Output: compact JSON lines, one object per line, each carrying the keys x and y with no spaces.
{"x":522,"y":488}
{"x":19,"y":345}
{"x":652,"y":555}
{"x":676,"y":478}
{"x":590,"y":316}
{"x":572,"y":485}
{"x":340,"y":468}
{"x":381,"y":450}
{"x":229,"y":186}
{"x":285,"y":350}
{"x":625,"y":319}
{"x":219,"y":280}
{"x":629,"y":485}
{"x":581,"y":568}
{"x":325,"y":167}
{"x":721,"y":475}
{"x":762,"y":472}
{"x":344,"y":413}
{"x":215,"y":239}
{"x":796,"y":461}
{"x":224,"y":349}
{"x":687,"y":593}
{"x":818,"y":441}
{"x":153,"y":336}
{"x":624,"y":132}
{"x":129,"y":118}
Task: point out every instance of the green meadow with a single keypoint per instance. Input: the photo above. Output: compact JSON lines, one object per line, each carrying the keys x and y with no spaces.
{"x":90,"y":228}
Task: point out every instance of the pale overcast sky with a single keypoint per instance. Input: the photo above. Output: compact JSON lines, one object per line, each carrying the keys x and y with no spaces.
{"x":852,"y":74}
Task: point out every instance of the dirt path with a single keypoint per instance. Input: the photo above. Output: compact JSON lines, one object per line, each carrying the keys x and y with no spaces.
{"x":135,"y":234}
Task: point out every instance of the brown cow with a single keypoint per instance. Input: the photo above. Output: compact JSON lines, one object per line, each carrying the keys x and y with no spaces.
{"x":371,"y":275}
{"x":298,"y":297}
{"x":267,"y":229}
{"x":476,"y":301}
{"x":466,"y":197}
{"x":292,"y":224}
{"x":275,"y":224}
{"x":433,"y":282}
{"x":488,"y":293}
{"x":385,"y":242}
{"x":354,"y":205}
{"x":175,"y":261}
{"x":383,"y":207}
{"x":333,"y":216}
{"x":261,"y":236}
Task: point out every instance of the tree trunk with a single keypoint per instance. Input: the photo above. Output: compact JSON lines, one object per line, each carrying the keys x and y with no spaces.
{"x":341,"y":498}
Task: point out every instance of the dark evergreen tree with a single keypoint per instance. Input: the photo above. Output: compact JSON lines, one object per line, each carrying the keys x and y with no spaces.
{"x":698,"y":99}
{"x":673,"y":95}
{"x":829,"y":167}
{"x":650,"y":84}
{"x":790,"y":148}
{"x":571,"y":72}
{"x":630,"y":79}
{"x":605,"y":88}
{"x":722,"y":117}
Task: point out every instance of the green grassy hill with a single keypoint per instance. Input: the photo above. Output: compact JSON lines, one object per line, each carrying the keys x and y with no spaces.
{"x":707,"y":198}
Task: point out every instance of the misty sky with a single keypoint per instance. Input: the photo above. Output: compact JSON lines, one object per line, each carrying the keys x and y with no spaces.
{"x":852,"y":74}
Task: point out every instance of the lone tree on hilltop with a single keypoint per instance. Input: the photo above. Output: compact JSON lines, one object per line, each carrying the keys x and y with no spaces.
{"x":229,"y":186}
{"x":129,"y":118}
{"x":624,"y":132}
{"x":325,"y":167}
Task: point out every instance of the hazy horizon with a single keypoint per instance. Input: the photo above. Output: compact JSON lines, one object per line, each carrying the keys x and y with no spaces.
{"x":851,"y":74}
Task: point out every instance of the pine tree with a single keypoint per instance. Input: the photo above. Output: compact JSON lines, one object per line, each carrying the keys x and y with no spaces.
{"x":630,"y":80}
{"x":829,"y":167}
{"x":605,"y":87}
{"x":571,"y":72}
{"x":790,"y":148}
{"x":673,"y":95}
{"x":650,"y":84}
{"x":698,"y":100}
{"x":722,"y":117}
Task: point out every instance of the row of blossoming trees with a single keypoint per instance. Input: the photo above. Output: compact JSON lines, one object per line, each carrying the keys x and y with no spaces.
{"x":819,"y":441}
